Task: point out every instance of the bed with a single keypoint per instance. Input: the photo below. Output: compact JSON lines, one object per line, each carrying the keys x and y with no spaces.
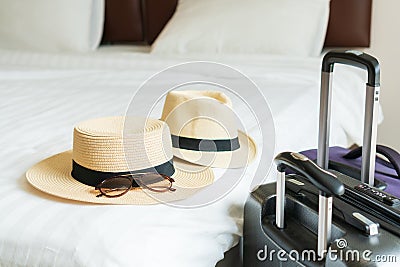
{"x":45,"y":94}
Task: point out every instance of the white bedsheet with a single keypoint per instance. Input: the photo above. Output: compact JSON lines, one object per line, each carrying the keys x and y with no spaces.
{"x":44,"y":96}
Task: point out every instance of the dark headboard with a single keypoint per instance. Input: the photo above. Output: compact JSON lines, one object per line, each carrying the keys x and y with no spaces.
{"x":349,"y":23}
{"x":140,"y":21}
{"x":136,"y":21}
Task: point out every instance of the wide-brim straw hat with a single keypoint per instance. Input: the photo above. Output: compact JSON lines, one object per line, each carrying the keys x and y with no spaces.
{"x":108,"y":146}
{"x":205,"y":130}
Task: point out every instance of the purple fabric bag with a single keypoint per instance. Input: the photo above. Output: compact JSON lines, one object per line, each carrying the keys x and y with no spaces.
{"x":348,"y":161}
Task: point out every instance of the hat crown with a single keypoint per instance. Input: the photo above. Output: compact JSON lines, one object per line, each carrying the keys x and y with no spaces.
{"x":200,"y":115}
{"x":120,"y":144}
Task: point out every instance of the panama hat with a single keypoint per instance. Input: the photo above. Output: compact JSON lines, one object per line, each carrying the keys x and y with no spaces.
{"x":108,"y":146}
{"x":204,"y":129}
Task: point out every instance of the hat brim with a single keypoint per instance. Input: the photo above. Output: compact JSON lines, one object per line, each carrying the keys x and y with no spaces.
{"x":224,"y":159}
{"x":53,"y":176}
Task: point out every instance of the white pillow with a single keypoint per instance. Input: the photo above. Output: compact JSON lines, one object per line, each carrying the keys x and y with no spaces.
{"x":51,"y":25}
{"x":291,"y":27}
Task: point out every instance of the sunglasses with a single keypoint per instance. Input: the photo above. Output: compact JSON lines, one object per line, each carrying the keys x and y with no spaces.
{"x":119,"y":185}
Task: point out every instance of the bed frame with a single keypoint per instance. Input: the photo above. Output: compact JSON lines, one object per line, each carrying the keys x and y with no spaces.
{"x":140,"y":22}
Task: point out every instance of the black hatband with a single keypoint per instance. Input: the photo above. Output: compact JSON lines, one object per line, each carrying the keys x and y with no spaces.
{"x":93,"y":178}
{"x":206,"y":145}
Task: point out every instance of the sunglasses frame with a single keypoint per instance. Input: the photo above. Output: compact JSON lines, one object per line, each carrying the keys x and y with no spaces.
{"x":132,"y":178}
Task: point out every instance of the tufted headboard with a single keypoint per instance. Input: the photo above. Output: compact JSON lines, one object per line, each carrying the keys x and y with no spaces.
{"x":140,"y":21}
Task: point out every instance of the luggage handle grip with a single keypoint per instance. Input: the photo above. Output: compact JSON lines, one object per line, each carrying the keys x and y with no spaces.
{"x":392,"y":155}
{"x":356,"y":59}
{"x":325,"y":181}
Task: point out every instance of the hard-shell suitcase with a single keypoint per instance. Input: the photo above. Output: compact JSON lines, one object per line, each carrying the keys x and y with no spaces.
{"x":363,"y":216}
{"x":294,"y":227}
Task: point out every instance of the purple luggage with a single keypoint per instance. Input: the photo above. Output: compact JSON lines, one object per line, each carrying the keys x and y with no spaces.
{"x":347,"y":161}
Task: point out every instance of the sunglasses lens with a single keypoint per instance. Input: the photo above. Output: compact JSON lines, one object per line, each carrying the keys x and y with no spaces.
{"x":154,"y":181}
{"x":115,"y":186}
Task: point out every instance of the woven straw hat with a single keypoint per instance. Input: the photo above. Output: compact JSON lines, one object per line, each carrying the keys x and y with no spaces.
{"x":204,"y":129}
{"x":103,"y":147}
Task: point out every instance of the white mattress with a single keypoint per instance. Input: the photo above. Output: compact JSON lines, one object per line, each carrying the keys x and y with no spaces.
{"x":44,"y":96}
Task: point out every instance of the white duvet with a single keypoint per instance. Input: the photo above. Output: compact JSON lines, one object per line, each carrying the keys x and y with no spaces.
{"x":43,"y":96}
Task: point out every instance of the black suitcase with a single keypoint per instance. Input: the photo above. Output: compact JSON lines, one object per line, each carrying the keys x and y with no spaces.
{"x":365,"y":219}
{"x":294,"y":228}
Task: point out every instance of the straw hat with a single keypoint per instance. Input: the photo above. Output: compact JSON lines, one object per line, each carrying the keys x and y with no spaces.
{"x":204,"y":129}
{"x":103,"y":147}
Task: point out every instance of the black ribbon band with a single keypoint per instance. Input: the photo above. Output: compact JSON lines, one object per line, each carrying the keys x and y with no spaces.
{"x":93,"y":178}
{"x":206,"y":145}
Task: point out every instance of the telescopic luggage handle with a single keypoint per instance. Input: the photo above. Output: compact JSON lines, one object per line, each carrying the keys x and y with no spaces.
{"x":356,"y":59}
{"x":327,"y":183}
{"x":371,"y":64}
